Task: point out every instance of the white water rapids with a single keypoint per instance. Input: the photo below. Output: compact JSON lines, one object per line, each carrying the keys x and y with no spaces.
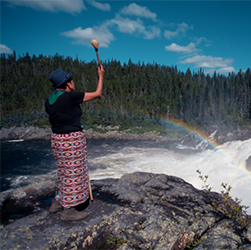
{"x":224,"y":164}
{"x":113,"y":158}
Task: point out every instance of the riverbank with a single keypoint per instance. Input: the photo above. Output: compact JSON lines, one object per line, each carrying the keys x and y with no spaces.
{"x":220,"y":134}
{"x":33,"y":132}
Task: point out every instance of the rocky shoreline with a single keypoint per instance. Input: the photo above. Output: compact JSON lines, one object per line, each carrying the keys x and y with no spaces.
{"x":138,"y":211}
{"x":32,"y":132}
{"x":221,"y":136}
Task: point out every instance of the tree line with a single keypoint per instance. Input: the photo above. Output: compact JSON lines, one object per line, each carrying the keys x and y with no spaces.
{"x":132,"y":93}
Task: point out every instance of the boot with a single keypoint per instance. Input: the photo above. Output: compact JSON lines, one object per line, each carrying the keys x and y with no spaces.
{"x":73,"y":214}
{"x":55,"y":207}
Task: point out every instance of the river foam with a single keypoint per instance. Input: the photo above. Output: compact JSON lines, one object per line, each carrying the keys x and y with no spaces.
{"x":224,"y":164}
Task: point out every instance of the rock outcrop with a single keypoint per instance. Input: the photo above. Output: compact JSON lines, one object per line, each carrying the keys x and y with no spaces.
{"x":137,"y":211}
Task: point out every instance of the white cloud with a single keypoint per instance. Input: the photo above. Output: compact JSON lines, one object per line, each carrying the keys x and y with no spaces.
{"x":208,"y":62}
{"x":169,"y":34}
{"x":226,"y":70}
{"x":68,"y":6}
{"x":139,"y":11}
{"x":211,"y":64}
{"x":181,"y":28}
{"x":104,"y":35}
{"x":84,"y":36}
{"x":126,"y":25}
{"x":101,"y":6}
{"x":202,"y":39}
{"x":5,"y":50}
{"x":152,"y":32}
{"x":219,"y":71}
{"x":190,"y":48}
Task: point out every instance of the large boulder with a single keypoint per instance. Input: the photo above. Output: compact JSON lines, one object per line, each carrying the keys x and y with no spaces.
{"x":137,"y":211}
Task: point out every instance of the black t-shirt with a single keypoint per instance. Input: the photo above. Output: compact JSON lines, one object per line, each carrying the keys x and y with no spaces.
{"x":65,"y":113}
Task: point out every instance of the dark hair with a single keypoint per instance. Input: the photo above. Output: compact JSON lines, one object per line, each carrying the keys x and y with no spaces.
{"x":63,"y":86}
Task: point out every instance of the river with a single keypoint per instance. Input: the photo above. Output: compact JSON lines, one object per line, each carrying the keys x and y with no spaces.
{"x":111,"y":158}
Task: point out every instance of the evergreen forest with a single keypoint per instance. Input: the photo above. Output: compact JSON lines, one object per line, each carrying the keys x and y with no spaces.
{"x":133,"y":94}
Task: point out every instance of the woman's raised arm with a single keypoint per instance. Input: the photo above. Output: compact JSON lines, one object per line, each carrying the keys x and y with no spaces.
{"x":98,"y":93}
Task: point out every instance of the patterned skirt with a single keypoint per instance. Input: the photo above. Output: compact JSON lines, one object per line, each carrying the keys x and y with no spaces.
{"x":73,"y":179}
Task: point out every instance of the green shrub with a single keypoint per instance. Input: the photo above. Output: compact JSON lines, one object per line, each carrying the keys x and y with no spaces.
{"x":232,"y":208}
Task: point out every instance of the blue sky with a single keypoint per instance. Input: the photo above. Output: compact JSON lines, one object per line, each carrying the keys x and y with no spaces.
{"x":212,"y":35}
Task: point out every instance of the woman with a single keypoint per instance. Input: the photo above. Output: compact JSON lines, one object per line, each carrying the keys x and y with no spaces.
{"x":68,"y":142}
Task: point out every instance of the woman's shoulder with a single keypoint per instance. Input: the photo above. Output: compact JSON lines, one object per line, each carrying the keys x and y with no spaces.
{"x":76,"y":96}
{"x":75,"y":93}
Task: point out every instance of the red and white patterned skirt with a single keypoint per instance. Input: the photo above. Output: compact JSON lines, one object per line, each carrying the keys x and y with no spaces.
{"x":70,"y":153}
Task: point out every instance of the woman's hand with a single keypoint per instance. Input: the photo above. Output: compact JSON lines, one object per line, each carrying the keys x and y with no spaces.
{"x":101,"y":71}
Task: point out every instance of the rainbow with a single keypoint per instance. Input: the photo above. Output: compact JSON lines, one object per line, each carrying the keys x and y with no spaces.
{"x":215,"y":145}
{"x":192,"y":130}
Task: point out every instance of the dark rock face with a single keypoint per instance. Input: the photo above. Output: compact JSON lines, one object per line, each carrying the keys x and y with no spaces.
{"x":138,"y":211}
{"x":217,"y":134}
{"x":235,"y":135}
